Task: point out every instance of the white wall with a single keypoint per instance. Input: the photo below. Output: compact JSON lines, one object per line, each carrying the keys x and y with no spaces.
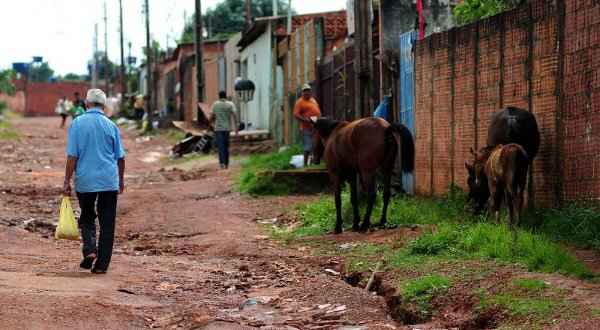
{"x":258,"y":55}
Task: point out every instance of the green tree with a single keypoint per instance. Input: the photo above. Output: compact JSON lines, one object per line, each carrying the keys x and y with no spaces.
{"x":472,"y":10}
{"x":40,"y":73}
{"x":229,"y":17}
{"x":6,"y":84}
{"x":73,"y":77}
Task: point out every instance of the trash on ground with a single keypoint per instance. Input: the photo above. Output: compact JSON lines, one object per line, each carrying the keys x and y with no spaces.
{"x":297,"y":161}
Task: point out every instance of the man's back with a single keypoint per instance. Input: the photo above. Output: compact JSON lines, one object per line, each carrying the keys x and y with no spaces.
{"x":223,"y":110}
{"x":94,"y":140}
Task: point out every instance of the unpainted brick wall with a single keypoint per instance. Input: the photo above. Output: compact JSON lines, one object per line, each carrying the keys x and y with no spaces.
{"x":513,"y":59}
{"x":580,"y":134}
{"x":41,"y":97}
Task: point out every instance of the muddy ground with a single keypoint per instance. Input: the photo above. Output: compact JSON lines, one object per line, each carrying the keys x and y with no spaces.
{"x":193,"y":253}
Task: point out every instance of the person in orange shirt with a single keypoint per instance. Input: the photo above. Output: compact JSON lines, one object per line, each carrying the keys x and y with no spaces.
{"x":305,"y":108}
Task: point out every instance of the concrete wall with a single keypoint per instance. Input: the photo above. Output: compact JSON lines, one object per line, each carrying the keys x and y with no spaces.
{"x":399,"y":16}
{"x":258,"y":56}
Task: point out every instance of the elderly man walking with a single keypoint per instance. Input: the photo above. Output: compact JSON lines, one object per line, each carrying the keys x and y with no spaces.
{"x":96,"y":156}
{"x":305,"y":108}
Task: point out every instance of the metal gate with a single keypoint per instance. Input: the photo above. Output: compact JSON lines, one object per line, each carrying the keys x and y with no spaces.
{"x":406,"y":94}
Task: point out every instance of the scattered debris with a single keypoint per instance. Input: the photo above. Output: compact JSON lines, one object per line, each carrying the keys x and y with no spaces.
{"x":332,"y":272}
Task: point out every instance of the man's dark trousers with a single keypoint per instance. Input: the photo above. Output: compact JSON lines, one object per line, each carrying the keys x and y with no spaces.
{"x":107,"y":212}
{"x":223,"y":146}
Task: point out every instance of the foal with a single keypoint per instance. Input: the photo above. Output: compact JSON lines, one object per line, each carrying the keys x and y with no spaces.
{"x":504,"y":167}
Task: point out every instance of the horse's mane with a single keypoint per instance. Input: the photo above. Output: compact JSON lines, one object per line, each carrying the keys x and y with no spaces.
{"x":325,"y":126}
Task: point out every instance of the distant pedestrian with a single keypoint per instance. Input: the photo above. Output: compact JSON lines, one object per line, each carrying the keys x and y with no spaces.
{"x":62,"y":110}
{"x":96,"y":156}
{"x":79,"y":106}
{"x":138,"y":107}
{"x":305,"y":108}
{"x":223,"y":119}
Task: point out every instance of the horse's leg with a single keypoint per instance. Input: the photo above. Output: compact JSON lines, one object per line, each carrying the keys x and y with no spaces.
{"x":510,"y":198}
{"x":337,"y":186}
{"x":354,"y":201}
{"x":369,"y":181}
{"x":387,"y":181}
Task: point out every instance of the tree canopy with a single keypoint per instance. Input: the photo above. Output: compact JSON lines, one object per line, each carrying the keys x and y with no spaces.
{"x":229,"y":17}
{"x":40,"y":73}
{"x":472,"y":10}
{"x":6,"y":85}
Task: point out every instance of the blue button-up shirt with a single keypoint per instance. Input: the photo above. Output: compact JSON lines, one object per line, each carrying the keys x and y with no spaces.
{"x":95,"y":141}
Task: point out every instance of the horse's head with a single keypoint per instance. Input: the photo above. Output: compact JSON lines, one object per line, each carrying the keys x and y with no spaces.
{"x":479,"y":192}
{"x":323,"y":127}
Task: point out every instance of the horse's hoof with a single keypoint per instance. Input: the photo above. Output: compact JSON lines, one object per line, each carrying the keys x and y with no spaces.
{"x":356,"y":228}
{"x":337,"y":231}
{"x":364,"y":229}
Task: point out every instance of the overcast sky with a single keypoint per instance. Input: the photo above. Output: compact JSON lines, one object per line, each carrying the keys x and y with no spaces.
{"x":62,"y":30}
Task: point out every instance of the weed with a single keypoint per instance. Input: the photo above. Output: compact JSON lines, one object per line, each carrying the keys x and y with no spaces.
{"x":595,"y":312}
{"x":421,"y":291}
{"x":518,"y":306}
{"x":578,"y":224}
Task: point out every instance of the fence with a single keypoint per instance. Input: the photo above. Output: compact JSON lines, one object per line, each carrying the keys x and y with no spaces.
{"x":543,"y":56}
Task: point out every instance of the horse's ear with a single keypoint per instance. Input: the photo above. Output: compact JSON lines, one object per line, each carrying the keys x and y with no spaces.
{"x":472,"y":151}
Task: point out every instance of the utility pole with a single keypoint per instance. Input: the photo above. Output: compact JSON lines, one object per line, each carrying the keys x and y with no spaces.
{"x":106,"y":75}
{"x":289,"y":20}
{"x":123,"y":83}
{"x":248,"y":14}
{"x":199,"y":58}
{"x":94,"y":59}
{"x":363,"y":54}
{"x":149,"y":105}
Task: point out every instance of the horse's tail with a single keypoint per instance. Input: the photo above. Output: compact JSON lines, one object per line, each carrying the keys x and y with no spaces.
{"x":407,"y":145}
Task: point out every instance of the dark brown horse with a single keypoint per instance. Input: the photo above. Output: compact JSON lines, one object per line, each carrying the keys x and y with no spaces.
{"x":504,"y":170}
{"x":357,"y":150}
{"x":509,"y":125}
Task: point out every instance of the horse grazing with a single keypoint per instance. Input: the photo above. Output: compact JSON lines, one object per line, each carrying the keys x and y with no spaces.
{"x":504,"y":169}
{"x":357,"y":150}
{"x":509,"y":125}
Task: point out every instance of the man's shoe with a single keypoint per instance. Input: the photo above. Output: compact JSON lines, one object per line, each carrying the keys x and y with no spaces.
{"x":88,"y":261}
{"x":98,"y":271}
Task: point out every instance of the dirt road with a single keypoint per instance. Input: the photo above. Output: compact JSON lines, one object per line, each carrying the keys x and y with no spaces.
{"x":189,"y":252}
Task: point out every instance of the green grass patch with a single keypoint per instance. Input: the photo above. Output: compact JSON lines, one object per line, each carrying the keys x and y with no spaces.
{"x":530,"y":285}
{"x":595,"y":312}
{"x":254,"y":181}
{"x":457,"y":234}
{"x":420,"y":291}
{"x":7,"y":132}
{"x":491,"y":241}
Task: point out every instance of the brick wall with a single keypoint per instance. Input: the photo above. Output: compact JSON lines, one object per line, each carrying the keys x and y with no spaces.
{"x":41,"y":98}
{"x":514,"y":59}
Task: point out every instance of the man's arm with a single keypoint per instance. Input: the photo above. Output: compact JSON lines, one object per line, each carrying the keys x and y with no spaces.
{"x":69,"y":170}
{"x":233,"y":118}
{"x":121,"y":164}
{"x":298,"y":113}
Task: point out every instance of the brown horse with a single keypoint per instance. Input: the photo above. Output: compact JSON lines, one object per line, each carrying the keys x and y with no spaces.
{"x":357,"y":150}
{"x":504,"y":170}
